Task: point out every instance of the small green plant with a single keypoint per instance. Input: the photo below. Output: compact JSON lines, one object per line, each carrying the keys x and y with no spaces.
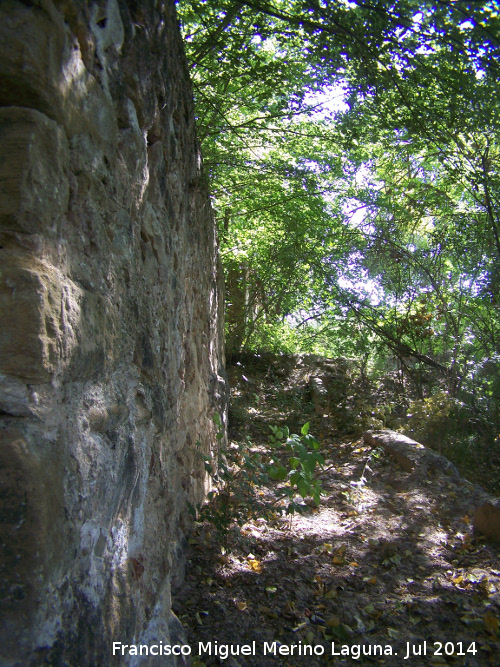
{"x":240,"y":471}
{"x":304,"y":456}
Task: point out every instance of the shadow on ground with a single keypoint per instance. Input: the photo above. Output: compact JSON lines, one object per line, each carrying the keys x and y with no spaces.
{"x":386,"y":571}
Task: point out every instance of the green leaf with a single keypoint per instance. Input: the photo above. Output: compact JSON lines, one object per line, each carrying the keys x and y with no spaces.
{"x":309,"y":463}
{"x":278,"y":473}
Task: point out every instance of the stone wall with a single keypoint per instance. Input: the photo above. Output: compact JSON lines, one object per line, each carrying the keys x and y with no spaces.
{"x":111,"y":360}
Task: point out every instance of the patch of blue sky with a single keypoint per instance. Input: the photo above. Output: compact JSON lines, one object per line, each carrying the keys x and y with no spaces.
{"x":328,"y":102}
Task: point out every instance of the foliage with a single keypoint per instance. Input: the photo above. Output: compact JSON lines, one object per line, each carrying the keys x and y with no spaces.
{"x":366,"y":226}
{"x":241,"y":471}
{"x":301,"y":465}
{"x":429,"y":417}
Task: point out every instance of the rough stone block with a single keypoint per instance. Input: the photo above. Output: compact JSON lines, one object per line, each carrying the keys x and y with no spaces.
{"x":30,"y":302}
{"x":39,"y":331}
{"x":319,"y":395}
{"x":51,"y":325}
{"x":410,"y":455}
{"x":33,"y":171}
{"x":487,"y":519}
{"x":31,"y":57}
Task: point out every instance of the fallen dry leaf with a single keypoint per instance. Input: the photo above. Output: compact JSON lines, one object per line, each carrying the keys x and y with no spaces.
{"x":255,"y":565}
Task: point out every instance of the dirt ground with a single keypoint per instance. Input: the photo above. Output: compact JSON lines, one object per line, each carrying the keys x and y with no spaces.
{"x":386,"y":571}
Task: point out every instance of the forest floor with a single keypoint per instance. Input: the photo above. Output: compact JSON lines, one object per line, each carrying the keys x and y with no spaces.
{"x":386,"y":571}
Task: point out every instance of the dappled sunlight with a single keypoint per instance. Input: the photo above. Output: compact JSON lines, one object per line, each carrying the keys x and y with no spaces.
{"x":388,"y":557}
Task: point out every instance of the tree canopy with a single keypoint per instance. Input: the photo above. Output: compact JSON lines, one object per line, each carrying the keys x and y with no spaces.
{"x":352,"y":149}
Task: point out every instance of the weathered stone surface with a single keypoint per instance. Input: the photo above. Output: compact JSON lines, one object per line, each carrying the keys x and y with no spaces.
{"x":409,"y":454}
{"x":33,"y":42}
{"x":111,"y":353}
{"x":415,"y":458}
{"x":319,"y":395}
{"x":487,"y":519}
{"x":33,"y":171}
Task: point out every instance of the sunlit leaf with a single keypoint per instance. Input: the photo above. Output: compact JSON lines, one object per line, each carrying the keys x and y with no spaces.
{"x":300,"y":626}
{"x":255,"y":565}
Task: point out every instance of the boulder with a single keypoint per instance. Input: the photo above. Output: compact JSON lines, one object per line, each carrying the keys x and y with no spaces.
{"x":487,"y":519}
{"x":409,"y":454}
{"x":415,"y":458}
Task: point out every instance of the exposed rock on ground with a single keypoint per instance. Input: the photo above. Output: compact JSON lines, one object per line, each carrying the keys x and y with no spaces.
{"x":487,"y":518}
{"x":110,"y":336}
{"x":413,"y":457}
